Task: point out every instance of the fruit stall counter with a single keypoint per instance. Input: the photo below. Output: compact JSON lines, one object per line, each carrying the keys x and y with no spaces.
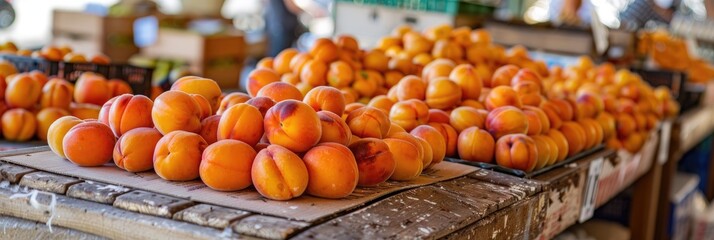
{"x":476,"y":204}
{"x":480,"y":200}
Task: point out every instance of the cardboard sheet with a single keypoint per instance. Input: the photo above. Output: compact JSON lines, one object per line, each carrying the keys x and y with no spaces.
{"x":305,"y":208}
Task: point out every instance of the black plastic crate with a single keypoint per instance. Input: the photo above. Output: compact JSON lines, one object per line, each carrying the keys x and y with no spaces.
{"x":138,"y":78}
{"x":688,"y":95}
{"x":27,"y":64}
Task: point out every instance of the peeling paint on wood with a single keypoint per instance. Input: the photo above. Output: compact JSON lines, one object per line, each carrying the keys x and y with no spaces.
{"x":210,"y":215}
{"x":17,"y":228}
{"x":49,"y":182}
{"x":13,"y":173}
{"x":96,"y":192}
{"x":268,"y":227}
{"x":151,"y":203}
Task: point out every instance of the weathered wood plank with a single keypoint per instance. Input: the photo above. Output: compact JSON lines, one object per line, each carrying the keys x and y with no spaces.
{"x":484,"y":196}
{"x":21,"y":151}
{"x":13,"y":173}
{"x":528,"y":186}
{"x":151,"y":203}
{"x":101,"y":219}
{"x":425,"y":212}
{"x":49,"y":182}
{"x":268,"y":227}
{"x":96,"y":192}
{"x":522,"y":220}
{"x":210,"y":215}
{"x":17,"y":228}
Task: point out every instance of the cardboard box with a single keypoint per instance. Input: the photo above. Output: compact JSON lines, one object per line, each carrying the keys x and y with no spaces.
{"x":91,"y":34}
{"x":219,"y":57}
{"x":682,"y":205}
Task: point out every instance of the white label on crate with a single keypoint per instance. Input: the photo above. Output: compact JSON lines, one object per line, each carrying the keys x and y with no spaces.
{"x":586,"y":212}
{"x":664,"y":143}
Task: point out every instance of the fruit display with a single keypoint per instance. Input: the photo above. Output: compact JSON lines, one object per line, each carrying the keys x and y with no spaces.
{"x":55,"y":53}
{"x":670,"y":52}
{"x":336,"y":118}
{"x":279,"y":141}
{"x":32,"y":101}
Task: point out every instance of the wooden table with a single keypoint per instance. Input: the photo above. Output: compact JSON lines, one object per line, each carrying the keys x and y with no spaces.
{"x":483,"y":204}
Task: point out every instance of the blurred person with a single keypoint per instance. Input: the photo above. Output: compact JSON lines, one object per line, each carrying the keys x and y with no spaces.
{"x":639,"y":12}
{"x":282,"y":21}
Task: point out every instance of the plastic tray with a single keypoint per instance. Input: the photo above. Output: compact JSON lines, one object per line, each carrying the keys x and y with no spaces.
{"x":521,"y":173}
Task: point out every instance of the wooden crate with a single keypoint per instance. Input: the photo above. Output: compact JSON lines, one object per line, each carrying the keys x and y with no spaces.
{"x":564,"y":189}
{"x":219,"y":57}
{"x":91,"y":34}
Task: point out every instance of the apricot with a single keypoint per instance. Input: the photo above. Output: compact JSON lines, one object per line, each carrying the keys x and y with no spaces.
{"x":368,"y":122}
{"x":428,"y":153}
{"x":408,"y":165}
{"x":89,"y":144}
{"x":91,"y":88}
{"x":265,"y":63}
{"x":205,"y":87}
{"x":545,"y":153}
{"x":18,"y":124}
{"x":45,"y":118}
{"x":468,"y":80}
{"x":576,"y":136}
{"x":465,"y":117}
{"x":332,"y":170}
{"x":473,"y":103}
{"x":409,"y":114}
{"x":232,"y":99}
{"x":503,"y":75}
{"x":414,"y":43}
{"x":392,"y":78}
{"x":209,"y":129}
{"x":502,"y":96}
{"x":419,"y":147}
{"x":529,"y":93}
{"x":551,"y":111}
{"x":411,"y":87}
{"x":279,"y":91}
{"x":175,"y":110}
{"x":374,"y":161}
{"x":633,"y":143}
{"x":394,"y":129}
{"x":100,"y":59}
{"x":84,"y":110}
{"x":376,"y":60}
{"x":437,"y":68}
{"x":434,"y":138}
{"x":364,"y":85}
{"x":340,"y":74}
{"x":506,"y":120}
{"x":442,"y":93}
{"x":381,"y":102}
{"x":326,"y":98}
{"x":347,"y":43}
{"x":177,"y":155}
{"x":447,"y":49}
{"x":293,"y":125}
{"x":118,"y":87}
{"x":128,"y":112}
{"x":325,"y":50}
{"x":298,"y":61}
{"x":258,"y":78}
{"x":594,"y":132}
{"x":450,"y":136}
{"x":334,"y":128}
{"x":56,"y":132}
{"x":290,"y":78}
{"x":241,"y":122}
{"x":279,"y":174}
{"x":438,"y":116}
{"x":57,"y":93}
{"x":475,"y":144}
{"x":226,"y":165}
{"x":261,"y":103}
{"x":281,"y":62}
{"x":314,"y":73}
{"x":565,"y":109}
{"x":134,"y":151}
{"x":22,"y":92}
{"x":401,"y":65}
{"x":625,"y":125}
{"x":517,"y":151}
